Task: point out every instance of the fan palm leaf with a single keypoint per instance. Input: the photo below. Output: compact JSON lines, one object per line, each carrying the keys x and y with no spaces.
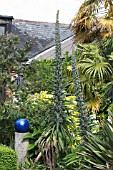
{"x":96,"y":69}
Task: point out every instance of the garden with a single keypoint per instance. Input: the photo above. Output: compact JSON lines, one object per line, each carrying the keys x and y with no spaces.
{"x":67,"y":100}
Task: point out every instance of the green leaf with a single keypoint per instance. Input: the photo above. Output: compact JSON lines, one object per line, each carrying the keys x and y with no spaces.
{"x":61,"y":143}
{"x":36,"y":132}
{"x":30,"y":147}
{"x":27,"y":136}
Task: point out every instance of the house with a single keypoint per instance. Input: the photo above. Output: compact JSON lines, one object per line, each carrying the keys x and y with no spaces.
{"x":42,"y":35}
{"x":5,"y":24}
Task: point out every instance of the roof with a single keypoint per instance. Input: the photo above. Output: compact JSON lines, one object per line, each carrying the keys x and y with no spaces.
{"x":6,"y":17}
{"x":42,"y":34}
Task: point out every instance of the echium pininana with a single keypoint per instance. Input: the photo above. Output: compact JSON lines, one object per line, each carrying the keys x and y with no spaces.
{"x":79,"y":98}
{"x":58,"y":81}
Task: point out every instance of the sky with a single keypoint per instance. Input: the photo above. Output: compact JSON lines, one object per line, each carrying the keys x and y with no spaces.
{"x":40,"y":10}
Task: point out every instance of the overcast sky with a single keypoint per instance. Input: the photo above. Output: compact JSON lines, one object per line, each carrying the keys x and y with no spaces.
{"x":40,"y":10}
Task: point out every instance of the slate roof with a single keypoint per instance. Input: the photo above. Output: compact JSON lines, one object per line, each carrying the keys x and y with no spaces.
{"x":40,"y":33}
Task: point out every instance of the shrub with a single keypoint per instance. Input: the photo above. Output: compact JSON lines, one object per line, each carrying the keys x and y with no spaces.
{"x":8,"y":158}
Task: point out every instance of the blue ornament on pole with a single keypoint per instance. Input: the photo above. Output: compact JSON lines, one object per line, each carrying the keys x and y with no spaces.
{"x":21,"y":125}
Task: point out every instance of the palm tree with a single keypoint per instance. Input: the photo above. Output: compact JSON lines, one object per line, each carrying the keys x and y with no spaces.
{"x":94,"y":72}
{"x":94,"y":20}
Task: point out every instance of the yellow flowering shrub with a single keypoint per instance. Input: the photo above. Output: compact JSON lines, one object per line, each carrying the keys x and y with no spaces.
{"x":44,"y":96}
{"x":70,"y":103}
{"x":39,"y":96}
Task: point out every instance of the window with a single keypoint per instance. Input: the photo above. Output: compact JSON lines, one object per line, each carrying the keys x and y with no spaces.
{"x":2,"y":30}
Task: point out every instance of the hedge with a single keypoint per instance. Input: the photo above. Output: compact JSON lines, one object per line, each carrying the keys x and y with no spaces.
{"x":8,"y":158}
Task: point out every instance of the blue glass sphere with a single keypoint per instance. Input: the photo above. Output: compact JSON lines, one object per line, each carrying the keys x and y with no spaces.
{"x":21,"y":125}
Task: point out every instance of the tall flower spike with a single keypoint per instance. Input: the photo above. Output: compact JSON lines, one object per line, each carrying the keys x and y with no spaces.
{"x":79,"y":98}
{"x":58,"y":82}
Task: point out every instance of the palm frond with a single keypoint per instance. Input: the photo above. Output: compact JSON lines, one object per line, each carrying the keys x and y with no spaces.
{"x":88,"y":26}
{"x":96,"y":69}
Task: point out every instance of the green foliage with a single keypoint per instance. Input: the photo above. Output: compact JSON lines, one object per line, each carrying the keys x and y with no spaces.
{"x":97,"y":152}
{"x":92,"y":64}
{"x":8,"y":158}
{"x":7,"y":117}
{"x":95,"y":73}
{"x":99,"y":148}
{"x":38,"y":76}
{"x":33,"y":147}
{"x":75,"y":159}
{"x":38,"y":137}
{"x":36,"y":108}
{"x":105,"y":47}
{"x":30,"y":165}
{"x":11,"y":58}
{"x":11,"y":64}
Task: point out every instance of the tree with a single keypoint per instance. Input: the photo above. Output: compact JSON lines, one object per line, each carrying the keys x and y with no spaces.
{"x":11,"y":63}
{"x":95,"y":71}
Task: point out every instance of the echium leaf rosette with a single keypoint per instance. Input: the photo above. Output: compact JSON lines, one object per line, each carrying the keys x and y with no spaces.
{"x":79,"y":98}
{"x":58,"y":80}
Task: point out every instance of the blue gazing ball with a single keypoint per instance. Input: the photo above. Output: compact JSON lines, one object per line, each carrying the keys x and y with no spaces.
{"x":21,"y":125}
